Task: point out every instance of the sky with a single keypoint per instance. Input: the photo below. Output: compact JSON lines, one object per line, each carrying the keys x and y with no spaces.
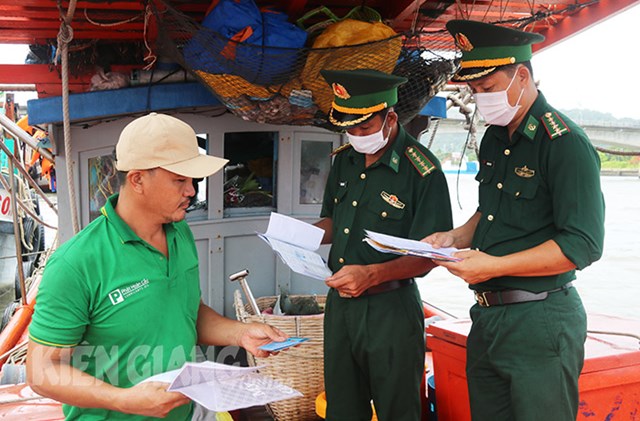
{"x":595,"y":69}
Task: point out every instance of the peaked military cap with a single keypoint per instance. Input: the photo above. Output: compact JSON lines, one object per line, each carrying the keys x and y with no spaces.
{"x":360,"y":94}
{"x":486,"y":47}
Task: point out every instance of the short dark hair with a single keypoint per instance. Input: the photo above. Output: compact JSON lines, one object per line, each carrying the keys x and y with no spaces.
{"x":383,"y":113}
{"x":510,"y":69}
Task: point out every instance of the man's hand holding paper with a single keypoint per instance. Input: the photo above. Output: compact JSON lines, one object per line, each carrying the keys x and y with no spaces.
{"x":220,"y":387}
{"x":403,"y":246}
{"x":295,"y":242}
{"x":351,"y":280}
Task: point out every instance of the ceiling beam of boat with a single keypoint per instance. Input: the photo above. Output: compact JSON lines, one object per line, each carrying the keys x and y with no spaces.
{"x":39,"y":19}
{"x":582,"y":20}
{"x":47,"y":78}
{"x":191,"y":6}
{"x":403,"y":10}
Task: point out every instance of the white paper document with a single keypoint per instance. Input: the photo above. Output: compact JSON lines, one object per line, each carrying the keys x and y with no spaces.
{"x":403,"y":246}
{"x":221,"y":387}
{"x":295,"y":242}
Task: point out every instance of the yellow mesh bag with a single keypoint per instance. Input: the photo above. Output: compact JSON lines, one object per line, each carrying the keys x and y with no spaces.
{"x":381,"y":55}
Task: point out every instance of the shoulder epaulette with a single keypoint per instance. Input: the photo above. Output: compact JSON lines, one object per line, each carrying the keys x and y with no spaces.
{"x":419,"y":160}
{"x":339,"y":149}
{"x":554,"y":125}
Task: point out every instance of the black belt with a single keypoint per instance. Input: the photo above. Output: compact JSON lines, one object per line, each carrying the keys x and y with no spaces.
{"x":387,"y":286}
{"x":513,"y":296}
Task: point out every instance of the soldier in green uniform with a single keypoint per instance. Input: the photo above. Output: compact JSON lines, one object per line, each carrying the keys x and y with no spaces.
{"x":382,"y":180}
{"x":540,"y":217}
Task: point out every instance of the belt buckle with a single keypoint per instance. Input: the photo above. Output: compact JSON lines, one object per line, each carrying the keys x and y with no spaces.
{"x":481,"y":299}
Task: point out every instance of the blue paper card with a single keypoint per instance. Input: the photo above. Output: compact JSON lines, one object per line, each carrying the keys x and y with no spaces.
{"x":279,"y":346}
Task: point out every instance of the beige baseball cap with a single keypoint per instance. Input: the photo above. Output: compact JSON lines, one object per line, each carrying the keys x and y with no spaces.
{"x":161,"y":141}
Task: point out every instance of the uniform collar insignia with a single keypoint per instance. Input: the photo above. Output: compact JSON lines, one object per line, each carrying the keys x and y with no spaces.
{"x":531,"y":127}
{"x":392,"y":199}
{"x":394,"y":162}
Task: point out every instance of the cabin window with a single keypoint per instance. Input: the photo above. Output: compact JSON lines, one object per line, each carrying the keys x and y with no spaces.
{"x":103,"y":182}
{"x":312,"y":162}
{"x":315,"y":163}
{"x":250,"y":175}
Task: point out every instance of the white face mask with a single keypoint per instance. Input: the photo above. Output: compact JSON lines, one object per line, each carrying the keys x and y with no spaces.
{"x":370,"y":143}
{"x":495,"y":107}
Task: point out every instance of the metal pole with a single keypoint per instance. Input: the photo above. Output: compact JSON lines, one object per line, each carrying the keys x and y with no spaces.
{"x":26,"y":175}
{"x":22,"y":87}
{"x":241,"y":277}
{"x":24,"y":207}
{"x":16,"y":131}
{"x":16,"y":233}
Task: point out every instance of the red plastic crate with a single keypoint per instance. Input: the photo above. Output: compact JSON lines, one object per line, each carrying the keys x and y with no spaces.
{"x":609,"y":383}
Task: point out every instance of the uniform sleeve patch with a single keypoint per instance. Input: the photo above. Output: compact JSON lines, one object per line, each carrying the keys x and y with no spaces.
{"x":554,"y":125}
{"x":339,"y":149}
{"x":419,"y":160}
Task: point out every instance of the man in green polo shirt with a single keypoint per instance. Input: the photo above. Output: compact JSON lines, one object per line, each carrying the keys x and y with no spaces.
{"x":382,"y":180}
{"x":121,"y":301}
{"x":540,"y":217}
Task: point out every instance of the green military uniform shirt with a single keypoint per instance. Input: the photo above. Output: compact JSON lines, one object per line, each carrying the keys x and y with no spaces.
{"x":128,"y":311}
{"x":543,"y":184}
{"x":403,"y":194}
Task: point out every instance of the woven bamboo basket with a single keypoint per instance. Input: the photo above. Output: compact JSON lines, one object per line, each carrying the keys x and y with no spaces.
{"x":301,"y":368}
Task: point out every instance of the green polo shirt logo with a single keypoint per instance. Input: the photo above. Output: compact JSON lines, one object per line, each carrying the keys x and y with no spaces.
{"x":118,"y":295}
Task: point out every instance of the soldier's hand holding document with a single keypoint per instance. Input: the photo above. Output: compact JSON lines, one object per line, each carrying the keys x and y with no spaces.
{"x":389,"y":244}
{"x":295,"y":242}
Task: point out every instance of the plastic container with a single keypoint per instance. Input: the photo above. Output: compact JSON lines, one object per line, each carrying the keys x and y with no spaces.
{"x":609,"y":383}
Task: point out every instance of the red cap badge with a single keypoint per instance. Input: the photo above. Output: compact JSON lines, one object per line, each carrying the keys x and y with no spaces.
{"x":340,"y":91}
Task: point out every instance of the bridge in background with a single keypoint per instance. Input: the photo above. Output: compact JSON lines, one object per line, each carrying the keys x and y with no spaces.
{"x":612,"y":135}
{"x":604,"y":134}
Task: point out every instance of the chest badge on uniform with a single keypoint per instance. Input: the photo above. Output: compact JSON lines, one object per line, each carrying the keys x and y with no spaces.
{"x":524,"y":172}
{"x":392,"y":199}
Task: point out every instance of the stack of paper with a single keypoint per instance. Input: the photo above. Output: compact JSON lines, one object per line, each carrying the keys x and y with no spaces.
{"x":220,"y":387}
{"x":295,"y":242}
{"x":402,"y":246}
